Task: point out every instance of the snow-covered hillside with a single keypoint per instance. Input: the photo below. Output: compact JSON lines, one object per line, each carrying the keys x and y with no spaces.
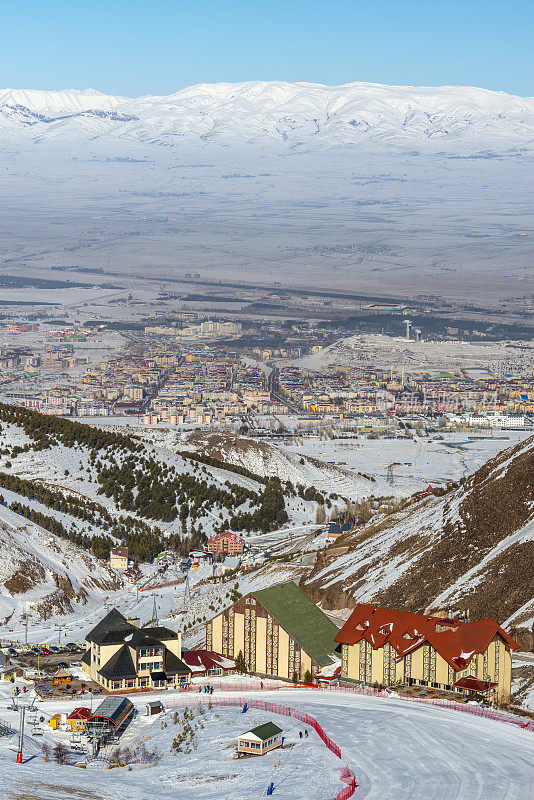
{"x":44,"y":574}
{"x":472,"y":549}
{"x":292,"y":114}
{"x":386,"y":351}
{"x":398,"y":751}
{"x":267,"y":459}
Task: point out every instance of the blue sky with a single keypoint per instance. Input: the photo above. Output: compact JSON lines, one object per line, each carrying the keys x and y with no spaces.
{"x":137,"y":47}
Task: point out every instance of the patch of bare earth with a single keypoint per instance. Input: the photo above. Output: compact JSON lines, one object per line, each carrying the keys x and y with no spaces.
{"x":52,"y":791}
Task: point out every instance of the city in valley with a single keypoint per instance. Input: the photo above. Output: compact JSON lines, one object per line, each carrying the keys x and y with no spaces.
{"x":266,"y":401}
{"x":213,"y":492}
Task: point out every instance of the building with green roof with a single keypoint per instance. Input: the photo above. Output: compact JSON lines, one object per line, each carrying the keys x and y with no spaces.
{"x":279,"y":630}
{"x":260,"y":739}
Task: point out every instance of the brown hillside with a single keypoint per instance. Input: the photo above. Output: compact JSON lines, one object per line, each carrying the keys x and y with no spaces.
{"x":470,"y":549}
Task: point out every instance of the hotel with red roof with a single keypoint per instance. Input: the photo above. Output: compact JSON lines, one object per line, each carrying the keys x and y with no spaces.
{"x":380,"y":645}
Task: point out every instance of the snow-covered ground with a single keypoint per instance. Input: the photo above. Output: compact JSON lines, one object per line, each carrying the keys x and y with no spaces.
{"x":398,"y":751}
{"x":418,"y":461}
{"x":420,"y":357}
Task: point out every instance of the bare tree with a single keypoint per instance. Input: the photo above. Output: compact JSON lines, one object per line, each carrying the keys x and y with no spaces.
{"x":320,"y":514}
{"x":59,"y":753}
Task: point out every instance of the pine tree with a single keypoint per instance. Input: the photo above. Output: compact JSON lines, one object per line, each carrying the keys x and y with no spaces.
{"x":240,"y":664}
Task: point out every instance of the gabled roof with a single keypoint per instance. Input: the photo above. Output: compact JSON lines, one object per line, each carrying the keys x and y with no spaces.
{"x":120,"y":666}
{"x":263,"y":732}
{"x":203,"y":660}
{"x":174,"y":666}
{"x":301,"y":618}
{"x":111,"y":621}
{"x":160,"y":633}
{"x":130,"y":634}
{"x":454,"y":639}
{"x":80,"y":713}
{"x":476,"y":685}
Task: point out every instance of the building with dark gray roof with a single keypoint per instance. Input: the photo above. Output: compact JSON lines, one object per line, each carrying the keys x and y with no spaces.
{"x":120,"y":655}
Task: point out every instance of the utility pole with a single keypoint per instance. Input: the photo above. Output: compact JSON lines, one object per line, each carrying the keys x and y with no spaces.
{"x":488,"y":678}
{"x":26,"y":630}
{"x":59,"y":628}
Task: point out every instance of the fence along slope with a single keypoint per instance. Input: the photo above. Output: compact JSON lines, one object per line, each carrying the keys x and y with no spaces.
{"x":286,"y":711}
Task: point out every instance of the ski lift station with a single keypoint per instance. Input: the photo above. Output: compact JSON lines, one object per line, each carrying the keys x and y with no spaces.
{"x":111,"y":717}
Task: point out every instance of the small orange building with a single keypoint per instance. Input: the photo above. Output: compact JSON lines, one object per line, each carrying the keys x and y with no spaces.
{"x":77,"y":718}
{"x":62,"y":678}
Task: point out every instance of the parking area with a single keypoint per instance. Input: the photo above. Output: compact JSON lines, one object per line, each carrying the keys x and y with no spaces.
{"x":42,"y":668}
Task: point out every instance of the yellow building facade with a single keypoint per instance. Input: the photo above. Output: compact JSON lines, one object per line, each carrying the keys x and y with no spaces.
{"x":120,"y":655}
{"x":387,"y":647}
{"x":279,"y":630}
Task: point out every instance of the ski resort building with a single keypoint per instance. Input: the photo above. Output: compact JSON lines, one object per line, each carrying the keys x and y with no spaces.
{"x":118,"y":558}
{"x":77,"y":719}
{"x":380,"y":645}
{"x":204,"y":663}
{"x":111,"y":717}
{"x":260,"y":740}
{"x":120,"y":655}
{"x":225,"y":543}
{"x":279,"y":630}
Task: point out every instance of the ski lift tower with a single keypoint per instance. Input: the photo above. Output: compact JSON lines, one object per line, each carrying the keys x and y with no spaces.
{"x":389,"y":477}
{"x":22,"y":708}
{"x":154,"y":619}
{"x":187,"y":590}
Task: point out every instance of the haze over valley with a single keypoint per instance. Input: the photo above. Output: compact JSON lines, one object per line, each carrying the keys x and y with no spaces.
{"x":371,"y":189}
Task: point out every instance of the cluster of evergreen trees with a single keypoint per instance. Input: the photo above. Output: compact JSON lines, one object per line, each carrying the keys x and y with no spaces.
{"x":140,"y":484}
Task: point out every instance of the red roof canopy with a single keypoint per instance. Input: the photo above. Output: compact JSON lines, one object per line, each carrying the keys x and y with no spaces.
{"x":454,"y":639}
{"x":470,"y":682}
{"x":203,"y":660}
{"x":80,"y":713}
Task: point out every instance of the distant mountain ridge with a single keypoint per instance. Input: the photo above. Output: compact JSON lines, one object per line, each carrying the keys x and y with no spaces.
{"x":290,"y":114}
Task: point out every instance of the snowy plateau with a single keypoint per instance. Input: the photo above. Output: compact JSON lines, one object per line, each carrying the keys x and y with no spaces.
{"x":355,"y":186}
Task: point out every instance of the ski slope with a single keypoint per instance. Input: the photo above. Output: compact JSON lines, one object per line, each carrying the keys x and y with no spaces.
{"x":398,"y":751}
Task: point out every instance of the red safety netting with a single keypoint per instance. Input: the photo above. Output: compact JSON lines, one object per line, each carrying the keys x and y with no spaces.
{"x":275,"y":708}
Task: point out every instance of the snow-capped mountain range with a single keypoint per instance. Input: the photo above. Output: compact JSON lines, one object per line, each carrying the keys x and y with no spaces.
{"x":286,"y":114}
